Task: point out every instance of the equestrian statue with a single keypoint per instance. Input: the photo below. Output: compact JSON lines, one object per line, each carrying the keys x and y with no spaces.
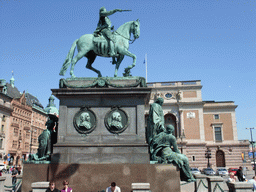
{"x":105,"y":43}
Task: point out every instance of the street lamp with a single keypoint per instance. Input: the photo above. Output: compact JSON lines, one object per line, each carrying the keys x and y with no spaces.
{"x":208,"y":155}
{"x":252,"y":143}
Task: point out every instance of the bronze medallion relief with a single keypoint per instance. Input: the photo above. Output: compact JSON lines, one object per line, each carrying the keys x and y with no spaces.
{"x":85,"y":121}
{"x":116,"y":121}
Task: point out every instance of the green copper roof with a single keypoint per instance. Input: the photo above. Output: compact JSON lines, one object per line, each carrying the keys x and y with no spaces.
{"x":51,"y":107}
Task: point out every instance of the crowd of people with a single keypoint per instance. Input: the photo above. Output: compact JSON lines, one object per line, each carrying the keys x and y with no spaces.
{"x":52,"y":187}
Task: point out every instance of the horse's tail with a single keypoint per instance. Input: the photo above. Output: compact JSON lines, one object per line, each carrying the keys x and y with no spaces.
{"x":68,"y":58}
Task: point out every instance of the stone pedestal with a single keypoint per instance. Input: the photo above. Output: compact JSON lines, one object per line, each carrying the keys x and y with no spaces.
{"x":100,"y":142}
{"x":240,"y":187}
{"x":215,"y":183}
{"x":40,"y":186}
{"x":201,"y":183}
{"x":140,"y":187}
{"x":97,"y":177}
{"x":2,"y":180}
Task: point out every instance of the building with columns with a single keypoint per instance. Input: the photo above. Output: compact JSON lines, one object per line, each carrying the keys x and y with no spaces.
{"x":200,"y":125}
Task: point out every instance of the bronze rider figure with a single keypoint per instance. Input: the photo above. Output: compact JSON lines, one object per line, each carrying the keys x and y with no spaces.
{"x":104,"y":27}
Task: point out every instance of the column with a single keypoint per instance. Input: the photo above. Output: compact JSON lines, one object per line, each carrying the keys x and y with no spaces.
{"x":181,"y":122}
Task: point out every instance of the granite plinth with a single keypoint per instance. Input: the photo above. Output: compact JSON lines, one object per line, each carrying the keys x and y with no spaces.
{"x":101,"y":145}
{"x":97,"y":177}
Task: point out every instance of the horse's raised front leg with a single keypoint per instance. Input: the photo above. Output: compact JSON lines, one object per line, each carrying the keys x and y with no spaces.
{"x":74,"y":61}
{"x":118,"y":62}
{"x":127,"y":70}
{"x":91,"y":58}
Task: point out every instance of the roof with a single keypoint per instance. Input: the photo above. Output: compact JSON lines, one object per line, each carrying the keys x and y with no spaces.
{"x":12,"y":92}
{"x":32,"y":100}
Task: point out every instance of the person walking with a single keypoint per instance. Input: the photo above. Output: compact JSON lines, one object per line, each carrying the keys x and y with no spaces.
{"x":240,"y":174}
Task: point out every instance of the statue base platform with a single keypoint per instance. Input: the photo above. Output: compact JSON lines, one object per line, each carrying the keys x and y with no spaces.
{"x":91,"y":82}
{"x":101,"y":142}
{"x":97,"y":177}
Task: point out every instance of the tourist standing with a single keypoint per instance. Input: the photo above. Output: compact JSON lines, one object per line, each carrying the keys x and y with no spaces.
{"x":8,"y":167}
{"x":66,"y":188}
{"x":113,"y":188}
{"x":232,"y":178}
{"x":19,"y":169}
{"x":14,"y":175}
{"x":52,"y":188}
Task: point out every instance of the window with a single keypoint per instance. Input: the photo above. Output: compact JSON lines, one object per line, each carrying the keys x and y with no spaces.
{"x":216,"y":116}
{"x":3,"y":118}
{"x":15,"y":132}
{"x":2,"y":128}
{"x":14,"y":144}
{"x":218,"y":134}
{"x":26,"y":146}
{"x":27,"y":134}
{"x":193,"y":158}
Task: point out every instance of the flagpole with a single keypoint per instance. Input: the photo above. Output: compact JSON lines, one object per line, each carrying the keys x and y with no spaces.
{"x":146,"y":63}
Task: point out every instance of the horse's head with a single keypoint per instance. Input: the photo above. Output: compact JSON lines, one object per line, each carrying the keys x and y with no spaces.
{"x":136,"y":29}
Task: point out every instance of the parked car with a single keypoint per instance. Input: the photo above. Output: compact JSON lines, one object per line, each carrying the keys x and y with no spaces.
{"x":195,"y":170}
{"x":208,"y":171}
{"x":2,"y":166}
{"x":234,"y":170}
{"x":221,"y":172}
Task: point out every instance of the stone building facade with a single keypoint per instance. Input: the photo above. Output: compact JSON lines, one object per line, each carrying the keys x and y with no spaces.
{"x":24,"y":120}
{"x":5,"y":114}
{"x":200,"y":125}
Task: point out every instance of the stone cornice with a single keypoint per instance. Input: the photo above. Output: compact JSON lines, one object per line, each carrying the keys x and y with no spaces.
{"x":99,"y":145}
{"x":181,"y":87}
{"x":190,"y":103}
{"x":221,"y":107}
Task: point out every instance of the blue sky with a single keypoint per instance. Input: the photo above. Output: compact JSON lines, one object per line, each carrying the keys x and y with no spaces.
{"x":212,"y":41}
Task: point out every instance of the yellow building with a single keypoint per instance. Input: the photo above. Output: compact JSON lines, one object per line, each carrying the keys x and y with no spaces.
{"x":200,"y":125}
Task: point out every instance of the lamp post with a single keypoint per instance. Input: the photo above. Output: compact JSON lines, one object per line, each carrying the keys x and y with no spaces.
{"x":252,"y":143}
{"x":208,"y":155}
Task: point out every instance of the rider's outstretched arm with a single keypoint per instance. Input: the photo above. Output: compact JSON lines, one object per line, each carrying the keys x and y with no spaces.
{"x":107,"y":13}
